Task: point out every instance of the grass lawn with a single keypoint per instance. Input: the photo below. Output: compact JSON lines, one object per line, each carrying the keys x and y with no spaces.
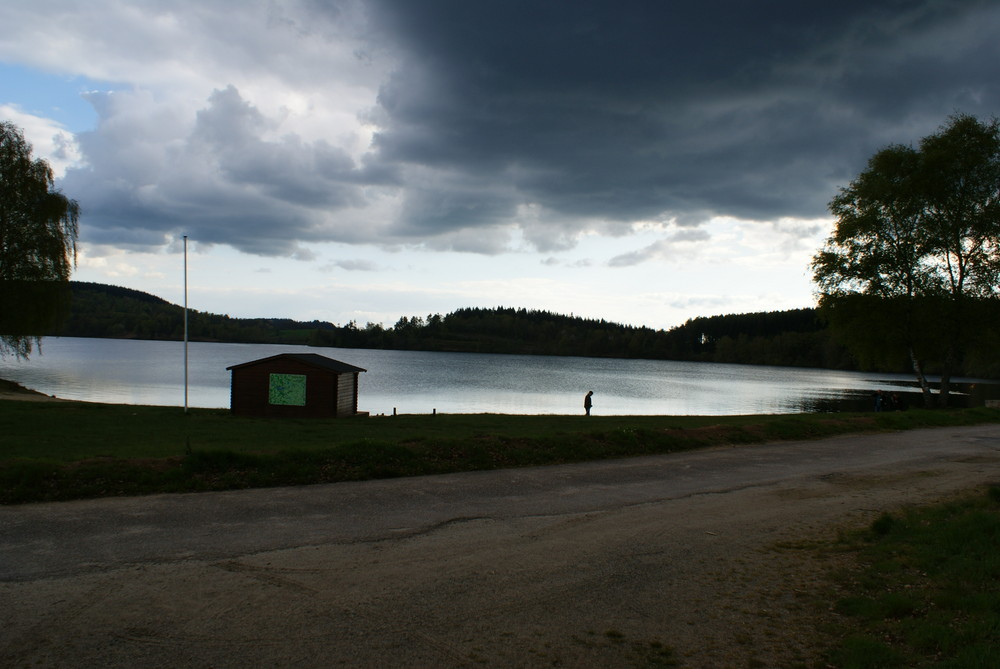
{"x":56,"y":451}
{"x":922,"y":591}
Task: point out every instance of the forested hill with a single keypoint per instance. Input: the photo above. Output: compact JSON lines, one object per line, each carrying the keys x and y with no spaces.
{"x":794,"y":338}
{"x":100,"y":310}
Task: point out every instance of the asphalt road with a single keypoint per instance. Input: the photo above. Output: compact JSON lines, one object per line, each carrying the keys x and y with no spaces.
{"x":44,"y":540}
{"x":577,"y":534}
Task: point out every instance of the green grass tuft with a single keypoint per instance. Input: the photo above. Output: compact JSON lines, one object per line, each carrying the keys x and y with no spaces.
{"x":925,"y":591}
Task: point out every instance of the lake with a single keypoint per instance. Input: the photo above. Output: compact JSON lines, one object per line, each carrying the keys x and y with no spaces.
{"x":152,"y":372}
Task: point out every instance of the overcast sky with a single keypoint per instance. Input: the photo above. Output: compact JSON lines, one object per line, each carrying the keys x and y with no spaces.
{"x":644,"y":162}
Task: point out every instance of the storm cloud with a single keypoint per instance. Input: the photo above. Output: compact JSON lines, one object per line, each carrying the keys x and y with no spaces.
{"x":477,"y":126}
{"x":631,"y":111}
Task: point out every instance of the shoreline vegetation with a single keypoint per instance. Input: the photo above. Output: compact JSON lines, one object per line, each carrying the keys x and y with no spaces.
{"x":57,"y":450}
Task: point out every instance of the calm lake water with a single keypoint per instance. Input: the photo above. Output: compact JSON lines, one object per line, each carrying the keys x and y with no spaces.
{"x":152,"y":372}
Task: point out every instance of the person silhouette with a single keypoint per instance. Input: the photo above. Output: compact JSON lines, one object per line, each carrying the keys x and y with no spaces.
{"x":587,"y":402}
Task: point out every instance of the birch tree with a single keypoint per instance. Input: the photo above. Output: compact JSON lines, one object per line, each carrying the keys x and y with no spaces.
{"x":913,"y":261}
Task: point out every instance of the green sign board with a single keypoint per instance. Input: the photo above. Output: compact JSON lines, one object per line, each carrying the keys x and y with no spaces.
{"x":288,"y":389}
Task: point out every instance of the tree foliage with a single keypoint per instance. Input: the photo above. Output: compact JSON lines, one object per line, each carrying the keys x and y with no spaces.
{"x":38,"y":233}
{"x":911,"y":269}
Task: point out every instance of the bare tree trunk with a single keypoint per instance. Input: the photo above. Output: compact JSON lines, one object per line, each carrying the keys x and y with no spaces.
{"x":921,"y":379}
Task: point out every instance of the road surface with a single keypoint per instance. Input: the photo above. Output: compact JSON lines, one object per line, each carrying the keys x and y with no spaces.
{"x":587,"y":565}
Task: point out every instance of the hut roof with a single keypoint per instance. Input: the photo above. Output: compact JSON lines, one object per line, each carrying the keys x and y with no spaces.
{"x":313,"y":359}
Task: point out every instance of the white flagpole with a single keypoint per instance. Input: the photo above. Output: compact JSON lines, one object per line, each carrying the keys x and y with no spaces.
{"x":185,"y":324}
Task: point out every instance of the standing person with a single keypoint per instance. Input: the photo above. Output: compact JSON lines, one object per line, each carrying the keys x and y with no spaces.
{"x":587,"y":402}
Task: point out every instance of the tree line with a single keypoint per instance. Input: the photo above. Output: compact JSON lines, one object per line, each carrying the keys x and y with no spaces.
{"x":792,"y":338}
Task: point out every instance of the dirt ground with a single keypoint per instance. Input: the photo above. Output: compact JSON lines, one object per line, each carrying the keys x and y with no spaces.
{"x":730,"y":576}
{"x":13,"y":391}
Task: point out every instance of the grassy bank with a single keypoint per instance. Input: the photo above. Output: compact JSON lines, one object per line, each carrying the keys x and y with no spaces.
{"x":58,"y":451}
{"x":922,"y":589}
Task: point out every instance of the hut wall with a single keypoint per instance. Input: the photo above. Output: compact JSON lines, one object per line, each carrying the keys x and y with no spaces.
{"x":347,"y":395}
{"x":251,"y":390}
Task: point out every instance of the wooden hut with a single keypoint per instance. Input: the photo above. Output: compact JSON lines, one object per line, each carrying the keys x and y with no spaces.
{"x":295,"y":385}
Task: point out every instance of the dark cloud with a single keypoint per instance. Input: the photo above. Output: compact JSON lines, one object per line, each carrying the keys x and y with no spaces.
{"x":550,"y":117}
{"x":635,"y":110}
